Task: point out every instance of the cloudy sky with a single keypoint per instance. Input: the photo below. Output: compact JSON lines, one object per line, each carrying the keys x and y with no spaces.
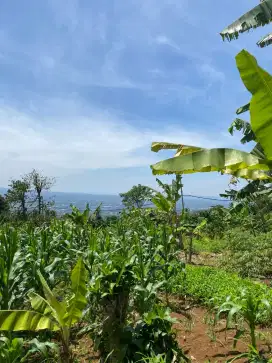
{"x":87,"y":85}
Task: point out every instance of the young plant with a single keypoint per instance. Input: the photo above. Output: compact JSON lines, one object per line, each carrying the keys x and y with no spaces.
{"x":49,"y":313}
{"x":250,"y":310}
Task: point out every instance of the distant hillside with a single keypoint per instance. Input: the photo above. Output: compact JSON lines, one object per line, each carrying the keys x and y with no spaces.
{"x":112,"y":204}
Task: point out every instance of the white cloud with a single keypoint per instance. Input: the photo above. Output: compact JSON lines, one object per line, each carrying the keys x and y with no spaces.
{"x":70,"y":142}
{"x":164,"y":40}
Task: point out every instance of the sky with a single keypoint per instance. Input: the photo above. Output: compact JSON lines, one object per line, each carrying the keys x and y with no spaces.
{"x":87,"y":85}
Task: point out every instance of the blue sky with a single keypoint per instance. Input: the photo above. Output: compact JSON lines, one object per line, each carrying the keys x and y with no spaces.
{"x":86,"y":86}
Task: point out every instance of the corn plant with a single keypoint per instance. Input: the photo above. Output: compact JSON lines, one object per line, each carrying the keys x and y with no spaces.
{"x":49,"y":313}
{"x":250,"y":310}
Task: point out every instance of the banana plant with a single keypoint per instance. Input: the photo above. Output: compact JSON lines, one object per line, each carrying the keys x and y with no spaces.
{"x":253,"y":165}
{"x":49,"y":313}
{"x":260,"y":15}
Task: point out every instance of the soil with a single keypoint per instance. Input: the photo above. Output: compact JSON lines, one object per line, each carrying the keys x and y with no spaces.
{"x":200,"y":342}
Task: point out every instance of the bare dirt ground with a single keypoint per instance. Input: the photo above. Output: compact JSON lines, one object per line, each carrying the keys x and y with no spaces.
{"x":203,"y":343}
{"x":197,"y":338}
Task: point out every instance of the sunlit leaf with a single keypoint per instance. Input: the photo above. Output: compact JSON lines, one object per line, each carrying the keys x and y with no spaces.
{"x":79,"y":288}
{"x":207,"y":160}
{"x":19,"y":320}
{"x":259,"y":84}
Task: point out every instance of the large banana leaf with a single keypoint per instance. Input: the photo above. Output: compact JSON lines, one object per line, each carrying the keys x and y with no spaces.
{"x":258,"y":16}
{"x":19,"y":320}
{"x":207,"y":160}
{"x":259,"y":84}
{"x":265,"y":41}
{"x":78,"y":301}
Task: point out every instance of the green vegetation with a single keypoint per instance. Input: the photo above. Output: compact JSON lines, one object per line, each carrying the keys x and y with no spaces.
{"x":113,"y":281}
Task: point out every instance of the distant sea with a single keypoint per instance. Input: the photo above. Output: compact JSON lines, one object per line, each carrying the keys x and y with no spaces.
{"x":112,"y":204}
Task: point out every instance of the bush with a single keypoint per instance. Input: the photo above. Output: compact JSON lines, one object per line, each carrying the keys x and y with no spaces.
{"x":248,"y":255}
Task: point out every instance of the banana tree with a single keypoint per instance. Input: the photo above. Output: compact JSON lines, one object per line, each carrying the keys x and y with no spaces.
{"x":253,"y":165}
{"x":49,"y":313}
{"x":260,"y":15}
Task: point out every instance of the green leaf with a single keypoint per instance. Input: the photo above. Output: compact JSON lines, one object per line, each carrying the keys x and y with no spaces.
{"x":243,"y":109}
{"x":181,"y":149}
{"x":78,"y":302}
{"x":19,"y":320}
{"x":259,"y":84}
{"x":58,"y":309}
{"x":237,"y":336}
{"x":39,"y":304}
{"x":161,"y":202}
{"x":208,"y":160}
{"x":258,"y":16}
{"x":245,"y":127}
{"x":249,"y":174}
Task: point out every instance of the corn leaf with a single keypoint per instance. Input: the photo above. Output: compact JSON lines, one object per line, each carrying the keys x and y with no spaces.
{"x":207,"y":160}
{"x":78,"y":301}
{"x":19,"y":320}
{"x":258,"y":16}
{"x":259,"y":84}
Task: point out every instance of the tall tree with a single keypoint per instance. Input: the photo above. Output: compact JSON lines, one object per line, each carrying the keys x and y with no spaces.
{"x":137,"y":196}
{"x":18,"y":195}
{"x":39,"y":183}
{"x":256,"y":17}
{"x":3,"y":205}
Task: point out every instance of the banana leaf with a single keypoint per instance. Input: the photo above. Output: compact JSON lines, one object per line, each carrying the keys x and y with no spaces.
{"x":207,"y":160}
{"x":258,"y":16}
{"x":181,"y":149}
{"x":259,"y":84}
{"x":244,"y":126}
{"x":248,"y":174}
{"x":265,"y":41}
{"x":20,"y":320}
{"x":243,"y":109}
{"x":78,"y":301}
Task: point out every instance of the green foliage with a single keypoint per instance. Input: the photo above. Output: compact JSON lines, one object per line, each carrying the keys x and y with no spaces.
{"x":17,"y":350}
{"x":17,"y":196}
{"x":211,"y":286}
{"x":260,"y":15}
{"x":259,"y":83}
{"x":248,"y":255}
{"x":48,"y":312}
{"x":250,"y":310}
{"x":137,"y":196}
{"x":11,"y":351}
{"x":153,"y":337}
